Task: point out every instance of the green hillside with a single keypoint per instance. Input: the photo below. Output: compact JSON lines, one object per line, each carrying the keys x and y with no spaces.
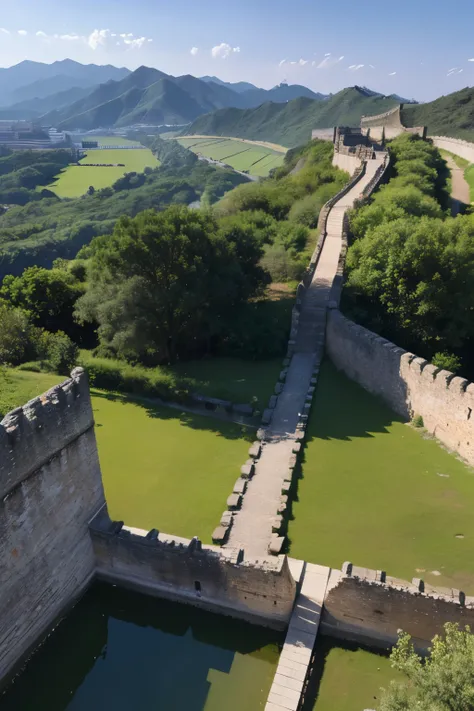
{"x":451,"y":115}
{"x":291,"y":124}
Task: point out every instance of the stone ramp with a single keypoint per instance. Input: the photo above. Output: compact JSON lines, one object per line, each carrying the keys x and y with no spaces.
{"x":252,"y":525}
{"x":297,"y":652}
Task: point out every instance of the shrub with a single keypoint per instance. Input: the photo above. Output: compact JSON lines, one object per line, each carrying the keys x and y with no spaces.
{"x":447,"y":361}
{"x":418,"y":421}
{"x":58,"y":350}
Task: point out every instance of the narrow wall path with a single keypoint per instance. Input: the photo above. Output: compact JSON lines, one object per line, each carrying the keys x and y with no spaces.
{"x":460,"y":192}
{"x":252,"y":527}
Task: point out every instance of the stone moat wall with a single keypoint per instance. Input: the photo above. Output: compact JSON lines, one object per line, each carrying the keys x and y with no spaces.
{"x":409,"y":385}
{"x":50,"y":487}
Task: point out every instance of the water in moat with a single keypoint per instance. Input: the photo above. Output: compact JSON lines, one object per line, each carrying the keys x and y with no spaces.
{"x":128,"y":652}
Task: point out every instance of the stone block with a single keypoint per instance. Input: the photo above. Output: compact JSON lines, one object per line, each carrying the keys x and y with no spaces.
{"x":300,"y":435}
{"x":234,"y":501}
{"x":246,"y":410}
{"x":276,"y":544}
{"x":267,"y":416}
{"x":283,"y":375}
{"x":313,"y":381}
{"x":240,"y":486}
{"x":272,"y":403}
{"x":247,"y":469}
{"x":261,"y":433}
{"x":311,"y":391}
{"x":219,"y":535}
{"x":286,"y":486}
{"x":286,"y":362}
{"x":292,"y":461}
{"x":227,"y":519}
{"x":278,"y":388}
{"x":277,"y":523}
{"x":296,"y":448}
{"x":255,"y":450}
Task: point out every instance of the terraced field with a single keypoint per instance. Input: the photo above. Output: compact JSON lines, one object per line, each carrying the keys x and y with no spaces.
{"x":245,"y":156}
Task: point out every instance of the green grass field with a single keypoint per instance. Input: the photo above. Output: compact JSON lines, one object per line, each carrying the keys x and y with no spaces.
{"x":74,"y":181}
{"x":376,"y":492}
{"x":254,"y":159}
{"x":347,"y":677}
{"x":162,"y":468}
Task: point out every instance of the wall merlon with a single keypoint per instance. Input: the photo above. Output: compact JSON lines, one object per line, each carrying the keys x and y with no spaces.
{"x":458,"y":385}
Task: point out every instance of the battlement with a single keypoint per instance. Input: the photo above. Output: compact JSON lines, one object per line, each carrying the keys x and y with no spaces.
{"x":31,"y":435}
{"x":217,"y":579}
{"x":410,"y":385}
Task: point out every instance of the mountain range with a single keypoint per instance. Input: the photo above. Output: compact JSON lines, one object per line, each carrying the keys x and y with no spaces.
{"x":290,"y":124}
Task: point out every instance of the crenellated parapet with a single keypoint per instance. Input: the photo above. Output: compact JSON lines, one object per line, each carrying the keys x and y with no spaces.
{"x":31,"y":435}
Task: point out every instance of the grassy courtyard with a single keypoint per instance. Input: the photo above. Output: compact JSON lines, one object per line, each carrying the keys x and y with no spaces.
{"x":74,"y":181}
{"x":254,"y":159}
{"x":162,"y":468}
{"x":376,"y":492}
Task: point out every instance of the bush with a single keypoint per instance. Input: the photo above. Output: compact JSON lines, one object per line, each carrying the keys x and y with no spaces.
{"x":58,"y":350}
{"x":447,"y":361}
{"x":418,"y":421}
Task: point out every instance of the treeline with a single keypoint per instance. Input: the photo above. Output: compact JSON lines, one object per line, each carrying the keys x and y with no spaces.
{"x":180,"y":283}
{"x":21,"y":172}
{"x":43,"y":231}
{"x":410,"y":267}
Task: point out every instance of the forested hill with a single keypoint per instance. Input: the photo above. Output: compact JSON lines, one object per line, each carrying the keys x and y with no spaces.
{"x":290,"y":124}
{"x":451,"y":115}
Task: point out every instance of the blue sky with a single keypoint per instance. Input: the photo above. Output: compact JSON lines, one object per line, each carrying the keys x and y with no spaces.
{"x":407,"y":47}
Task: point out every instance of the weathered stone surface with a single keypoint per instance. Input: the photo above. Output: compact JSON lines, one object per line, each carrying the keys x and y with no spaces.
{"x":292,"y":461}
{"x":286,"y":362}
{"x":261,"y":433}
{"x":279,"y":388}
{"x":255,"y":450}
{"x":277,"y":523}
{"x":233,"y":502}
{"x":267,"y":416}
{"x":314,"y":381}
{"x":227,"y":519}
{"x":286,"y":486}
{"x":283,"y":374}
{"x":243,"y":409}
{"x":240,"y":486}
{"x":272,"y":402}
{"x":220,"y":534}
{"x":247,"y":469}
{"x":297,"y":447}
{"x":276,"y":544}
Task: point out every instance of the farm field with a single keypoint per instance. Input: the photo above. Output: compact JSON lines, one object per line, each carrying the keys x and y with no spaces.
{"x":108,"y":140}
{"x":376,"y":492}
{"x":161,"y":468}
{"x":75,"y":181}
{"x":242,"y":155}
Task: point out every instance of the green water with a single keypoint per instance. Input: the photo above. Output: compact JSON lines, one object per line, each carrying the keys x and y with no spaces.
{"x":377,"y":492}
{"x":127,"y":652}
{"x":347,"y":677}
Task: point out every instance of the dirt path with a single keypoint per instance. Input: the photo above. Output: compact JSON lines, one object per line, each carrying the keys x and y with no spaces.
{"x":460,"y":187}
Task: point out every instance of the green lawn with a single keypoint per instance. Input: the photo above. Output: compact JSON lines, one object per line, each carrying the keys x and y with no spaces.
{"x":74,"y":180}
{"x":347,"y":678}
{"x":243,"y":156}
{"x":376,"y":492}
{"x":162,"y":468}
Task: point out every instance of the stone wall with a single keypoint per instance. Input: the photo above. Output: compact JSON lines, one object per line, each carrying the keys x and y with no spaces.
{"x":369,"y":607}
{"x":50,"y":487}
{"x":346,"y":162}
{"x":216,"y":579}
{"x":464,"y":149}
{"x":388,"y":125}
{"x":409,"y":385}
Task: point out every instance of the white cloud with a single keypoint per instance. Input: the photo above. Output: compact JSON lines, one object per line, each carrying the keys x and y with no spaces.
{"x":98,"y":38}
{"x":70,"y":38}
{"x":136,"y":43}
{"x":329,"y":61}
{"x":392,"y":74}
{"x":293,"y":63}
{"x":356,"y":67}
{"x":371,"y":66}
{"x":471,"y":60}
{"x":302,"y":62}
{"x":194,"y":51}
{"x":40,"y":33}
{"x":224,"y":50}
{"x":283,"y":61}
{"x":23,"y":33}
{"x":4,"y":31}
{"x":328,"y":54}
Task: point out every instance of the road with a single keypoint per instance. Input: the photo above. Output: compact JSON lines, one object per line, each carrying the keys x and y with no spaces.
{"x":460,"y":193}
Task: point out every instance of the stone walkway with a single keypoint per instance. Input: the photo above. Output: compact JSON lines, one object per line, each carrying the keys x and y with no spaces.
{"x":252,"y":526}
{"x":460,"y":191}
{"x":295,"y":658}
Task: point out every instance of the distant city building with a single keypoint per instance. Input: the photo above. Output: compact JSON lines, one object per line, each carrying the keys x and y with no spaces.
{"x":56,"y":136}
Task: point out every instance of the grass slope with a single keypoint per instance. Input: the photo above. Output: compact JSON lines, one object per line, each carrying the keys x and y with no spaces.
{"x":290,"y":124}
{"x":374,"y":491}
{"x":75,"y":181}
{"x":254,"y":159}
{"x":451,"y":115}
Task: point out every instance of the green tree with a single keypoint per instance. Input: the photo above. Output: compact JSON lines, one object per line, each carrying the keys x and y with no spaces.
{"x":165,"y":283}
{"x":16,"y":336}
{"x":48,"y":295}
{"x":442,"y":682}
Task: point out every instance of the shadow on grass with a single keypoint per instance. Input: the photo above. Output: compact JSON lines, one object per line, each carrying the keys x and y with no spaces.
{"x":229,"y":430}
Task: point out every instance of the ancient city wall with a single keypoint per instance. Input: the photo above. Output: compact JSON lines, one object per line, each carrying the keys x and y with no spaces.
{"x":50,"y":486}
{"x":409,"y":385}
{"x":216,"y":579}
{"x":464,"y":149}
{"x":346,"y":162}
{"x":368,"y":607}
